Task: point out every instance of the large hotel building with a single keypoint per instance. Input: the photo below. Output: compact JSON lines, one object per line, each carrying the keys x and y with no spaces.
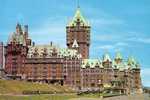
{"x":71,"y":66}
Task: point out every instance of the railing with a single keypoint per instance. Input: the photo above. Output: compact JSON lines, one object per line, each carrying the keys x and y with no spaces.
{"x":44,"y":61}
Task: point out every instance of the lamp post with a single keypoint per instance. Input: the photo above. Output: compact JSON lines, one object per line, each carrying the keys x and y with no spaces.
{"x":100,"y":89}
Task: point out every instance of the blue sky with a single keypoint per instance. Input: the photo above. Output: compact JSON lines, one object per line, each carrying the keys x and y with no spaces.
{"x":122,"y":25}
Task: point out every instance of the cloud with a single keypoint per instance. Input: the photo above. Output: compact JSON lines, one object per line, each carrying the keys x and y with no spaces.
{"x":106,"y":37}
{"x":121,"y":44}
{"x":113,"y":36}
{"x":115,"y":47}
{"x":140,"y":39}
{"x":52,"y":29}
{"x":145,"y":72}
{"x":103,"y":22}
{"x":106,"y":47}
{"x":128,"y":37}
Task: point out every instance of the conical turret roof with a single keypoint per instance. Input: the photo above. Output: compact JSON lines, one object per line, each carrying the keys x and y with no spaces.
{"x":78,"y":17}
{"x":131,"y":60}
{"x":118,"y":55}
{"x":106,"y":57}
{"x":133,"y":63}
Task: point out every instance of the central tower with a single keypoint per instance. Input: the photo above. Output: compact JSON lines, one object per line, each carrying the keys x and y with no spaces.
{"x":78,"y":34}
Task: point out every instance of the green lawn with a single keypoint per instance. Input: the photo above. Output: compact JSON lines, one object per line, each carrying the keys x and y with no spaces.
{"x":38,"y":97}
{"x":48,"y":97}
{"x":17,"y":87}
{"x":13,"y":89}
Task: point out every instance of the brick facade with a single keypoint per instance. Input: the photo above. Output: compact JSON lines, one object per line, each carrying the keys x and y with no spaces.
{"x":78,"y":29}
{"x":1,"y":54}
{"x":70,"y":66}
{"x":1,"y":59}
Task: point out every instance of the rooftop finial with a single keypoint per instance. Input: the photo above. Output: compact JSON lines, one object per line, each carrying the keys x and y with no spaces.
{"x":78,"y":5}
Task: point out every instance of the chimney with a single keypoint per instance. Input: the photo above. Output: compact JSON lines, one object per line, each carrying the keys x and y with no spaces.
{"x":33,"y":43}
{"x":26,"y":30}
{"x":18,"y":29}
{"x":51,"y":43}
{"x":1,"y":43}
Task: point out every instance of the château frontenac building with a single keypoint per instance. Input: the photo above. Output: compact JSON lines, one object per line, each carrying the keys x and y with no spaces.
{"x":71,"y":66}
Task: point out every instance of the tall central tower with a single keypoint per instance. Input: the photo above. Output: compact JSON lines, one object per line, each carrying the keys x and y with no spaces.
{"x":78,"y":34}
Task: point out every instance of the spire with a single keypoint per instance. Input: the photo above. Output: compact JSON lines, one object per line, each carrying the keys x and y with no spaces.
{"x":78,"y":5}
{"x":75,"y":44}
{"x":137,"y":65}
{"x":133,"y":63}
{"x":118,"y":55}
{"x":78,"y":18}
{"x":131,"y":60}
{"x":18,"y":25}
{"x":26,"y":28}
{"x":18,"y":29}
{"x":26,"y":31}
{"x":106,"y":57}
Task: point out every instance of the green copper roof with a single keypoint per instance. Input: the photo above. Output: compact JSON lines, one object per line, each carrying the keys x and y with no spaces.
{"x":131,"y":60}
{"x":78,"y":16}
{"x":118,"y":55}
{"x":106,"y":57}
{"x":19,"y":38}
{"x":91,"y":63}
{"x":137,"y":65}
{"x":61,"y":52}
{"x":121,"y":66}
{"x":133,"y":63}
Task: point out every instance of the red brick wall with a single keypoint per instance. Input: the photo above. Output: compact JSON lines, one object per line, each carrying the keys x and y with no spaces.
{"x":82,"y":36}
{"x":1,"y":54}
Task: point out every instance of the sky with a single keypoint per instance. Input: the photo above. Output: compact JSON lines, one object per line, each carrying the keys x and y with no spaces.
{"x":116,"y":25}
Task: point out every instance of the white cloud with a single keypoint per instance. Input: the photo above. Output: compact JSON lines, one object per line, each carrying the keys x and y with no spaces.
{"x":123,"y":37}
{"x":145,"y":73}
{"x":121,"y":44}
{"x":52,"y":29}
{"x":106,"y":37}
{"x":103,"y":22}
{"x":144,"y":40}
{"x":106,"y":47}
{"x":115,"y":47}
{"x":140,"y":39}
